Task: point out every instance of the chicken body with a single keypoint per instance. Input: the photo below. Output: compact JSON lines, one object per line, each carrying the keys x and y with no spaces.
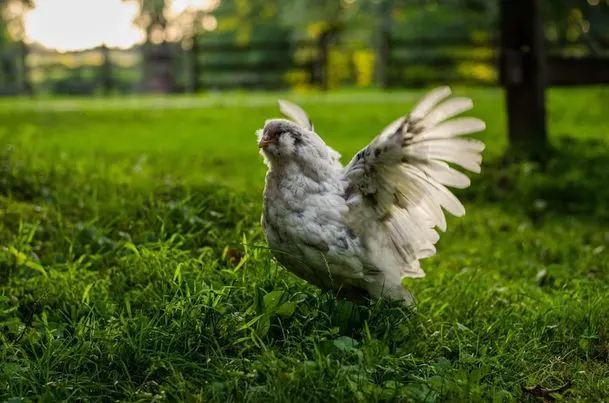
{"x":304,"y":219}
{"x":360,"y":229}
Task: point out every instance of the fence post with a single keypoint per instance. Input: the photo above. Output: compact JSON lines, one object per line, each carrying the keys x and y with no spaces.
{"x":26,"y":84}
{"x":194,"y":68}
{"x":383,"y":45}
{"x":8,"y":69}
{"x":523,"y":69}
{"x":324,"y":44}
{"x":106,"y":71}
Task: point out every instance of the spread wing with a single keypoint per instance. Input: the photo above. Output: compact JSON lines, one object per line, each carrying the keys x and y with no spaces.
{"x":397,"y":185}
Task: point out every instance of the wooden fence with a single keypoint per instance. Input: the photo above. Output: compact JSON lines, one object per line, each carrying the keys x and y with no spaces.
{"x":323,"y":64}
{"x":259,"y":65}
{"x":528,"y":64}
{"x":407,"y":63}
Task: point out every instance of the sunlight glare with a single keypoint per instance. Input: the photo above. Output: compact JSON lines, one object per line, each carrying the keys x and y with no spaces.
{"x":80,"y":24}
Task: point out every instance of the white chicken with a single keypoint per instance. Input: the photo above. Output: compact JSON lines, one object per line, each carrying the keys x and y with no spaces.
{"x":359,"y":230}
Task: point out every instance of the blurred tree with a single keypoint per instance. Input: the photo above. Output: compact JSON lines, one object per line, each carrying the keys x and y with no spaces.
{"x":433,"y":40}
{"x":186,"y":27}
{"x":11,"y":19}
{"x":345,"y":32}
{"x":157,"y":72}
{"x":241,"y":24}
{"x":445,"y":18}
{"x":365,"y":29}
{"x":152,"y":18}
{"x":13,"y":68}
{"x":572,"y":22}
{"x":164,"y":32}
{"x":316,"y":16}
{"x":251,"y":20}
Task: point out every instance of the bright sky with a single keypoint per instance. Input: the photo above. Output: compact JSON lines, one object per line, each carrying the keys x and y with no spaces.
{"x":80,"y":24}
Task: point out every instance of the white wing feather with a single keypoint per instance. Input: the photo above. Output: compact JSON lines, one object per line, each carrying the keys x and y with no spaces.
{"x":398,"y":183}
{"x":295,"y":113}
{"x":298,"y":115}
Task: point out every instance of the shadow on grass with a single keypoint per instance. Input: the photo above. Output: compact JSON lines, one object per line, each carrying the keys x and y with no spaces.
{"x":574,"y":181}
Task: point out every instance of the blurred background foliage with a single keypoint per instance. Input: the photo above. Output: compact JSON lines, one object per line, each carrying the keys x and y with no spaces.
{"x":301,"y":44}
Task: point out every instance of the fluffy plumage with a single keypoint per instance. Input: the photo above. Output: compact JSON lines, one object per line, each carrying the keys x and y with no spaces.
{"x":360,"y":229}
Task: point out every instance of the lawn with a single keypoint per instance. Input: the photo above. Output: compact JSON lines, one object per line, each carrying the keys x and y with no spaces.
{"x":133,"y":267}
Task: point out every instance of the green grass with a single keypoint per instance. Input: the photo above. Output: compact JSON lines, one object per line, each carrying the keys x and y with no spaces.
{"x":133,"y":267}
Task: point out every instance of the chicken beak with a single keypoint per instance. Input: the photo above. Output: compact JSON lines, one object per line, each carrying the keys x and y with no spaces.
{"x":266,"y":140}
